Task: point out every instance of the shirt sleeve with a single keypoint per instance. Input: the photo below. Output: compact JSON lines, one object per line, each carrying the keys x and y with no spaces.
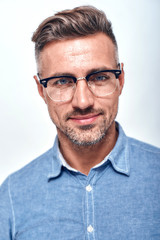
{"x":6,"y":212}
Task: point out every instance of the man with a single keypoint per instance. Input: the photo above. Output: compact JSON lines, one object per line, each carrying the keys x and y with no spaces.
{"x":95,"y":183}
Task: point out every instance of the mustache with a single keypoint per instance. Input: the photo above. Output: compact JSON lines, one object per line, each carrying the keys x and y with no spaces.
{"x":82,"y":112}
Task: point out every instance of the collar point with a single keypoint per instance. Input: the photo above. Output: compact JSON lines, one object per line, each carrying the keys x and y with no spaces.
{"x":52,"y":176}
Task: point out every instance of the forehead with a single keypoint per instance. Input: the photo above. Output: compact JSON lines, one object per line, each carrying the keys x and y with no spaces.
{"x":80,"y":53}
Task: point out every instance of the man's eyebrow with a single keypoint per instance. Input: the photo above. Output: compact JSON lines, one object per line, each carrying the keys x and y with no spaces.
{"x":57,"y":74}
{"x":98,"y":69}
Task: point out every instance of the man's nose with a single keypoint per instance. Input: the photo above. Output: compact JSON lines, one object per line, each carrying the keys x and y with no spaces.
{"x":83,"y":97}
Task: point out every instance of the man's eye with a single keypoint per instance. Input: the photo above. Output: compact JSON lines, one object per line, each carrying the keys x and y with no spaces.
{"x":62,"y":81}
{"x":100,"y":78}
{"x":58,"y":82}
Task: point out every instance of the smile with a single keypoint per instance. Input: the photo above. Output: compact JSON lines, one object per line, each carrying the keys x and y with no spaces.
{"x":85,"y":119}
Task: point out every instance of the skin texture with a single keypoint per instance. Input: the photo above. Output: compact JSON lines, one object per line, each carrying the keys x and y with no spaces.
{"x":85,"y":124}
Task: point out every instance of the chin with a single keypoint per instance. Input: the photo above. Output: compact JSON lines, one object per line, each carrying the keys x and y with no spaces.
{"x":86,"y":138}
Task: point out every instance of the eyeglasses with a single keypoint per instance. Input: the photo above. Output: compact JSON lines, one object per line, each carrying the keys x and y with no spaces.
{"x":62,"y":88}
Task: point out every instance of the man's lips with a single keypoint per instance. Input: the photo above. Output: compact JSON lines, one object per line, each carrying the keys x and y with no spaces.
{"x":84,"y":119}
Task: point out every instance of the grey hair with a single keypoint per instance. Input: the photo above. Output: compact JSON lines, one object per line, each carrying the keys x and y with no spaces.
{"x":70,"y":24}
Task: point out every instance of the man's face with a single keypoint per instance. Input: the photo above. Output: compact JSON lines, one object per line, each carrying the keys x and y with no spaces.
{"x":85,"y":119}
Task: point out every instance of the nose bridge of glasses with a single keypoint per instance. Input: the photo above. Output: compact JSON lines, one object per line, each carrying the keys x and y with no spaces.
{"x":85,"y":83}
{"x":81,"y":78}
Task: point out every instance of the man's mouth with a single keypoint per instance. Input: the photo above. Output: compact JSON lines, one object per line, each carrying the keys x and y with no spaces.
{"x":85,"y":119}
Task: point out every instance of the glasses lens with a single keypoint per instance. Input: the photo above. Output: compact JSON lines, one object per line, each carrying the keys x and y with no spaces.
{"x":102,"y":83}
{"x":60,"y":89}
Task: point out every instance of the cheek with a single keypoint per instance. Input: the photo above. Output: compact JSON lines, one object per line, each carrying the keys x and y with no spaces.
{"x":110,"y":103}
{"x":56,"y":112}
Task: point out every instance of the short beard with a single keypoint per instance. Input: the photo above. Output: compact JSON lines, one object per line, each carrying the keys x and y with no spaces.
{"x":86,"y":143}
{"x":88,"y":135}
{"x":76,"y":139}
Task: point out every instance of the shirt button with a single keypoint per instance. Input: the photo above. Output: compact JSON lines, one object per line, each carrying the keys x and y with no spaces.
{"x":90,"y":229}
{"x":89,"y":188}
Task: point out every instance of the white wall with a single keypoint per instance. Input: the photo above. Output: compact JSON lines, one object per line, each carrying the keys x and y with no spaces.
{"x":25,"y":128}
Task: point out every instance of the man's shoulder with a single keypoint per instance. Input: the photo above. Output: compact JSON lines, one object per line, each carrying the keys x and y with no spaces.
{"x":34,"y":169}
{"x":138,"y":146}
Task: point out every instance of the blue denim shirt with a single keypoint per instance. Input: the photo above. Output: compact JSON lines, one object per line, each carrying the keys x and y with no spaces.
{"x":119,"y":199}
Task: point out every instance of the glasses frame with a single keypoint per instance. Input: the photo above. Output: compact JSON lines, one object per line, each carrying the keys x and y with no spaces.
{"x":44,"y":81}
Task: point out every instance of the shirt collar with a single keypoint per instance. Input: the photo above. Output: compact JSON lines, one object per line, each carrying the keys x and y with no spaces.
{"x":56,"y":164}
{"x":64,"y":163}
{"x":119,"y":157}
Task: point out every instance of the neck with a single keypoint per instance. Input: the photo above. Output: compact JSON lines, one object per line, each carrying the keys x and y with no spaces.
{"x":83,"y":158}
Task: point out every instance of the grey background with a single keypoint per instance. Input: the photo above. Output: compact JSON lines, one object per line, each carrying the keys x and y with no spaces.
{"x":25,"y":128}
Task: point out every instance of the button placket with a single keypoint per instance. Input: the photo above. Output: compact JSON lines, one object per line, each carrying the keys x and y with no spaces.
{"x":90,"y":228}
{"x":89,"y":188}
{"x":90,"y":211}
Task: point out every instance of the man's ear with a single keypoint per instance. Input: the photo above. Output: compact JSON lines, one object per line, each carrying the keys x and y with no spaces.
{"x":40,"y":88}
{"x":121,"y":79}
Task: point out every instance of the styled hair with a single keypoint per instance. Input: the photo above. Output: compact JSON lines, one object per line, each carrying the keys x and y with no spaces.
{"x":68,"y":24}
